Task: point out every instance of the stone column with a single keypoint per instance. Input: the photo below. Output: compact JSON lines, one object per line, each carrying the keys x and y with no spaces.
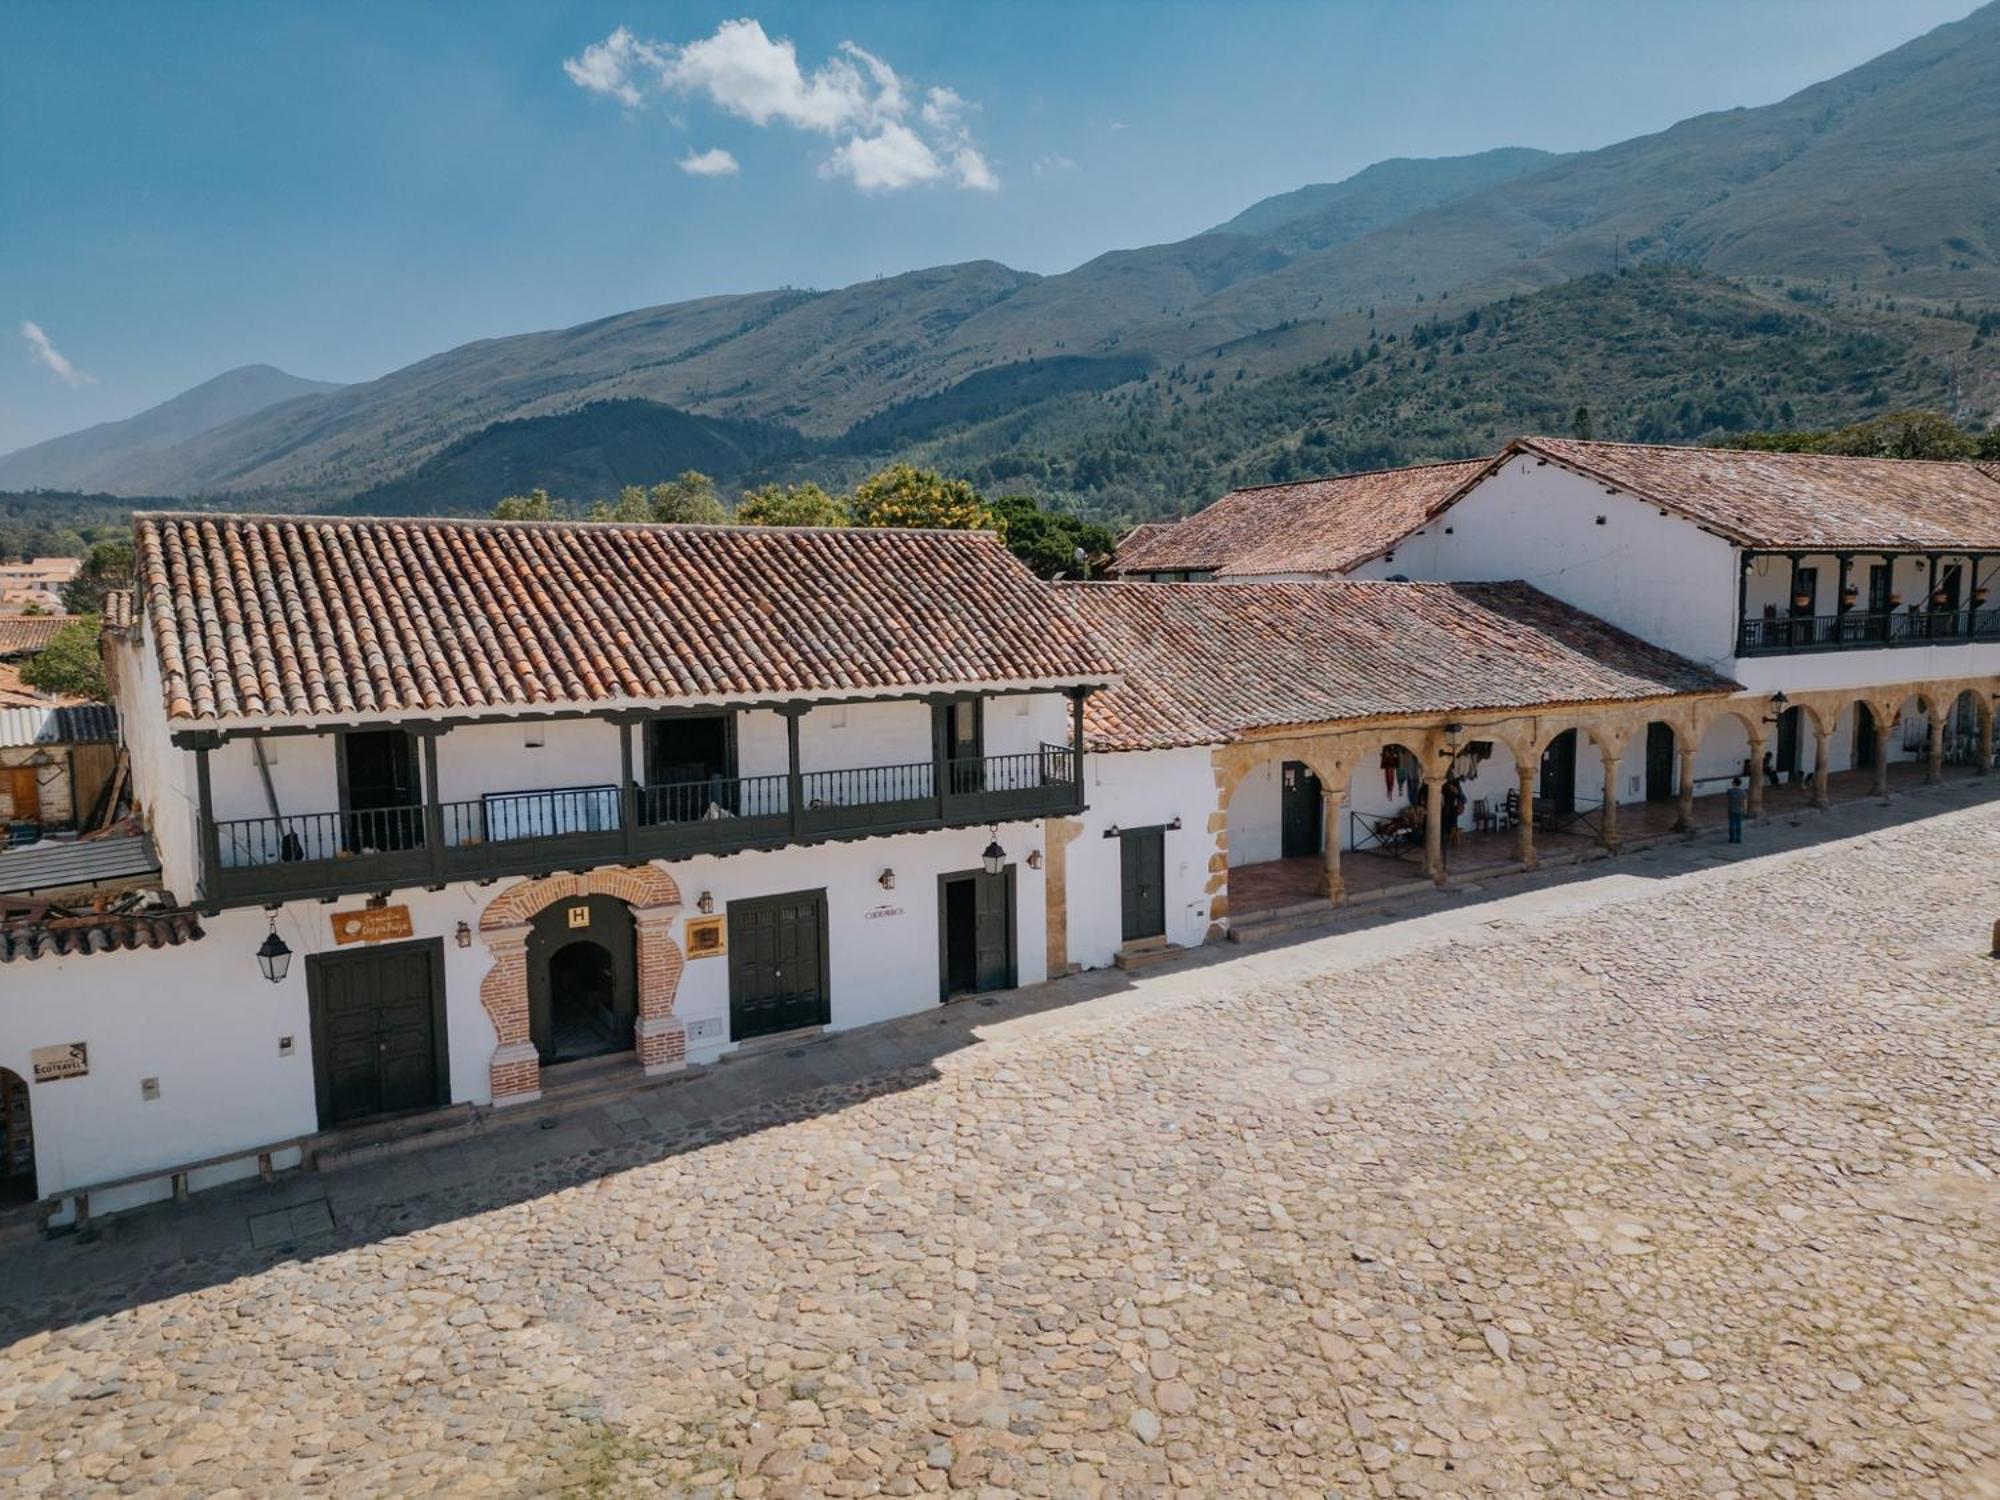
{"x":1331,"y":884}
{"x":1607,"y":823}
{"x":515,"y":1072}
{"x":1434,"y":827}
{"x":659,"y":1034}
{"x":1985,"y":766}
{"x":1822,"y":767}
{"x":1934,"y":749}
{"x":1883,"y":729}
{"x":1756,"y":777}
{"x":1524,"y":831}
{"x":1684,"y":821}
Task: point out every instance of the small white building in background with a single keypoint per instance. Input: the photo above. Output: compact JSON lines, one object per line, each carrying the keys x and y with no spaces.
{"x":491,"y":801}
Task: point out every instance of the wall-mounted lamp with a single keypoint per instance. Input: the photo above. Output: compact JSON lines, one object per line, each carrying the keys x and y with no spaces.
{"x":274,"y":957}
{"x":1778,"y":702}
{"x":1175,"y":826}
{"x":993,"y":857}
{"x":1034,"y":859}
{"x":377,"y":901}
{"x":887,"y":880}
{"x":1114,"y":831}
{"x":463,"y":935}
{"x":706,"y":904}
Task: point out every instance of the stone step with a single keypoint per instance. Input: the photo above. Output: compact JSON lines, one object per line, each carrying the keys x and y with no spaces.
{"x":1145,"y":953}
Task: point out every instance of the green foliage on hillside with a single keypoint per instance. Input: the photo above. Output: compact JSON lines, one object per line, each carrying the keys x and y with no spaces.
{"x":1900,"y":434}
{"x":791,"y":505}
{"x":106,"y":566}
{"x":1655,"y":355}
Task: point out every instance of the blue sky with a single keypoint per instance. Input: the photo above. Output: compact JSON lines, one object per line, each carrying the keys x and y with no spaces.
{"x":340,"y":189}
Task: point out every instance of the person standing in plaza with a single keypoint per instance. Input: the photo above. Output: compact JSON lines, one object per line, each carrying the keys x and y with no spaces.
{"x":1739,"y":804}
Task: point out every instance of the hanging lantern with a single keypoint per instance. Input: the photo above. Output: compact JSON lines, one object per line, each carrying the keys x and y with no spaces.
{"x":274,"y":958}
{"x":993,"y":857}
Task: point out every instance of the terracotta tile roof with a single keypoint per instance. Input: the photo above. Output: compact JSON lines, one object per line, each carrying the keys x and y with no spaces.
{"x":1797,"y":500}
{"x":118,"y":610}
{"x":1315,"y":526}
{"x":259,"y":617}
{"x":1204,"y":662}
{"x":39,"y":930}
{"x":22,"y":635}
{"x":1145,"y":533}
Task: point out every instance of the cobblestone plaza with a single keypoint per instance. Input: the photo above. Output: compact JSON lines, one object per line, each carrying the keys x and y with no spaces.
{"x":1671,"y":1181}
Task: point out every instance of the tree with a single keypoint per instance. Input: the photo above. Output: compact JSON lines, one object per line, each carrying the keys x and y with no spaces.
{"x":536,"y":505}
{"x":691,"y":499}
{"x":1580,"y":423}
{"x":1047,"y":541}
{"x":631,"y":505}
{"x":902,"y":495}
{"x":107,"y":566}
{"x":1899,"y":434}
{"x":797,"y":505}
{"x":70,"y":664}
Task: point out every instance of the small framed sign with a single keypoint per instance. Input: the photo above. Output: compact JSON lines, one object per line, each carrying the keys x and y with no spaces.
{"x":706,"y":937}
{"x":579,"y":916}
{"x":69,"y":1060}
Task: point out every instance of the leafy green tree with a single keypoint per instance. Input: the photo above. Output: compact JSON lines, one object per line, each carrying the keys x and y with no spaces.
{"x":903,"y":495}
{"x":791,"y":505}
{"x":1580,"y":425}
{"x":106,"y":566}
{"x":70,"y":664}
{"x":691,"y":499}
{"x":1989,"y":446}
{"x":1048,"y":541}
{"x":536,"y":505}
{"x":1899,"y":434}
{"x":631,"y":505}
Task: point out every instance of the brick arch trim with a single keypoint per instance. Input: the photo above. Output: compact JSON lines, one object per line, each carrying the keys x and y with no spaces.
{"x":637,"y":886}
{"x":661,"y":1037}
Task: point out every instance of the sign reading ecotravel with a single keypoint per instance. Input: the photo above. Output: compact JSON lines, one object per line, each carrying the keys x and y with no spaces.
{"x":70,"y":1060}
{"x":372,"y":924}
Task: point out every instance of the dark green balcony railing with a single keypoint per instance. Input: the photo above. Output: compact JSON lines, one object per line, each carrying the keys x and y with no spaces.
{"x":1862,"y":630}
{"x":256,"y":860}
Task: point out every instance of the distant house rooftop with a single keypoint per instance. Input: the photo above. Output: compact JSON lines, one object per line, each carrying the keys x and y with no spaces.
{"x":1205,"y":662}
{"x":257,"y":618}
{"x":1774,"y":501}
{"x":24,"y":635}
{"x":1313,"y":526}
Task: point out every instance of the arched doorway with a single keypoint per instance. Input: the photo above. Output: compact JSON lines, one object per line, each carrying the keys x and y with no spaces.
{"x":17,"y":1141}
{"x":583,"y":997}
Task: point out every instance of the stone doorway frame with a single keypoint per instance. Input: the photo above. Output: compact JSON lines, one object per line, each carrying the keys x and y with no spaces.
{"x":661,"y":1036}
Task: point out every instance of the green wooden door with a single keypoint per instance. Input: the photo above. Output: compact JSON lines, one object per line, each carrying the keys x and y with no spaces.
{"x":777,"y":964}
{"x":1142,"y":872}
{"x":1300,"y":811}
{"x":378,"y":1030}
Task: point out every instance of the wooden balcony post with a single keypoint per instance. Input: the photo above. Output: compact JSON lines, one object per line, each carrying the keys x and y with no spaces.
{"x":795,"y":781}
{"x":1077,"y":696}
{"x":210,"y":875}
{"x":941,"y":716}
{"x":433,"y":809}
{"x":628,"y":790}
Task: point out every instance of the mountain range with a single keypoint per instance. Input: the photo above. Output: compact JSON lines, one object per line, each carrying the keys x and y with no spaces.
{"x":1851,"y":231}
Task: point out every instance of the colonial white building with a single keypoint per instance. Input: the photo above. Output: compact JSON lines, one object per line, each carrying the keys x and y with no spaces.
{"x":1849,"y":597}
{"x":489,"y":799}
{"x":453,"y":814}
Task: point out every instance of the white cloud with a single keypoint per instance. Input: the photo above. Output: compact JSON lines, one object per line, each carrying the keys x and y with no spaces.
{"x":854,"y":98}
{"x":1053,"y":164}
{"x":712,"y":163}
{"x":51,"y":358}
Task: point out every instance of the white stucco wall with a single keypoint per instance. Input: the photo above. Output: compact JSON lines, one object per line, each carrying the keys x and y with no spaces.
{"x":202,"y":1019}
{"x":1139,"y":790}
{"x":162,"y":777}
{"x":1655,"y":575}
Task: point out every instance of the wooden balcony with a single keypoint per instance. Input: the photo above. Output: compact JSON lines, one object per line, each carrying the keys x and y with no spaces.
{"x":256,"y":861}
{"x":1860,"y":630}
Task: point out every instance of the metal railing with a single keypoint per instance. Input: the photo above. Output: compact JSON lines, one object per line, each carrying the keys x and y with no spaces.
{"x":1860,"y":630}
{"x":257,"y":859}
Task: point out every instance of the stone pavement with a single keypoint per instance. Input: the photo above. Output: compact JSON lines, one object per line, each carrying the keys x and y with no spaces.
{"x":1673,"y":1176}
